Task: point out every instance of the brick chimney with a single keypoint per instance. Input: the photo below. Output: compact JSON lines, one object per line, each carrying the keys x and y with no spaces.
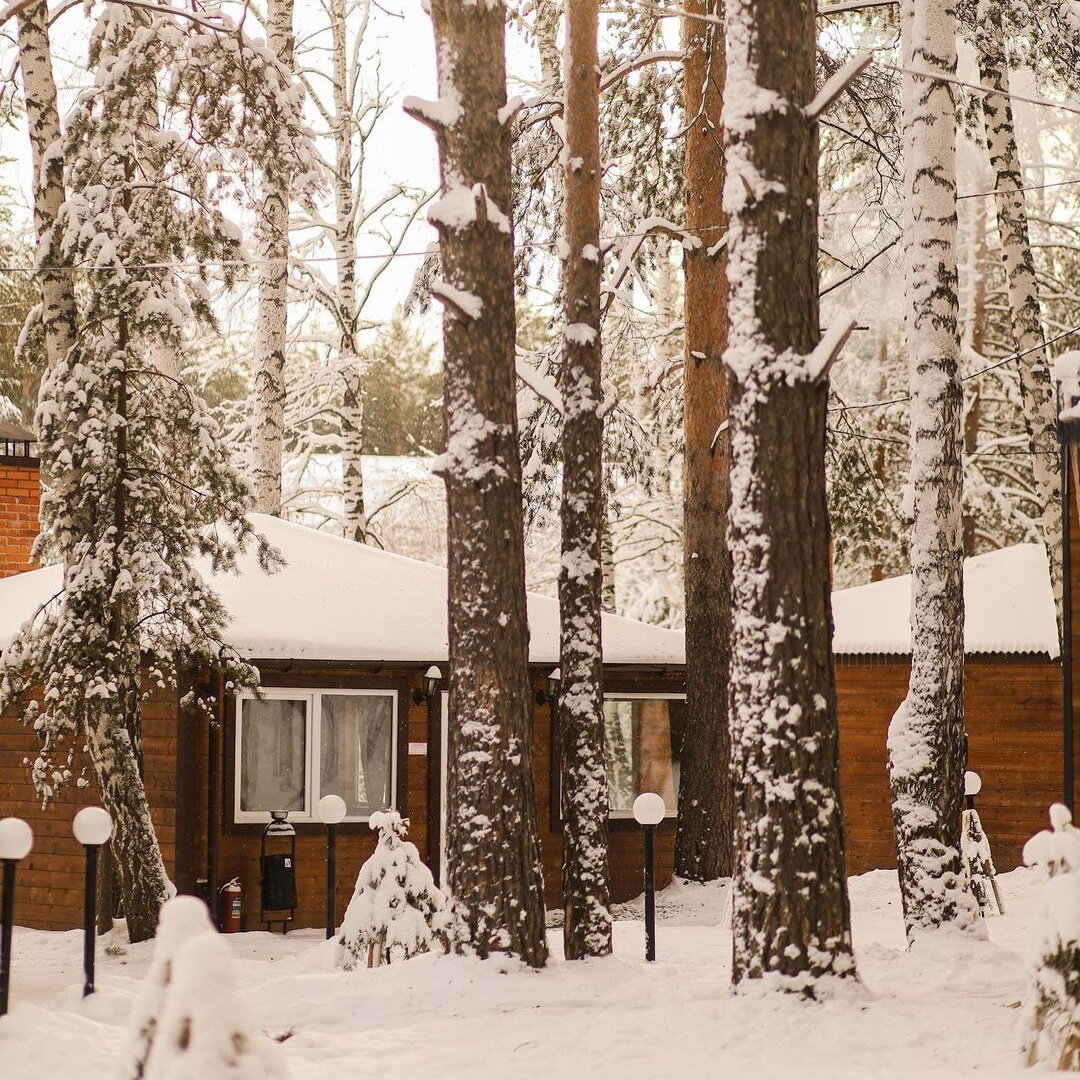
{"x":20,"y":492}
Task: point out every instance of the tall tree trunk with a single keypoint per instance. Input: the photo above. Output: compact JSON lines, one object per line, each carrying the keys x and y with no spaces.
{"x":59,"y":317}
{"x":268,"y":421}
{"x":587,"y":926}
{"x":703,"y":830}
{"x":785,"y":761}
{"x":977,"y":331}
{"x":352,"y":404}
{"x":492,"y":845}
{"x":1036,"y":385}
{"x":926,"y":743}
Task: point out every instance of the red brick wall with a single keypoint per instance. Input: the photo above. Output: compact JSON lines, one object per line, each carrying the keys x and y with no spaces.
{"x":19,"y":496}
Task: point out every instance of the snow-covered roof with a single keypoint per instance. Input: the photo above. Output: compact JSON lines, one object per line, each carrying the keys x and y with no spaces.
{"x":1008,"y":600}
{"x":338,"y":600}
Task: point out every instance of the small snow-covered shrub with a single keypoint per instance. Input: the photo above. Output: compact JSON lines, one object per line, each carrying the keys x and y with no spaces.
{"x":182,"y":919}
{"x":395,"y":911}
{"x":1051,"y":1017}
{"x":975,"y":848}
{"x":205,"y":1031}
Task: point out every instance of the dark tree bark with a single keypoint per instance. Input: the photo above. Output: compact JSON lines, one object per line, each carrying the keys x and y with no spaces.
{"x":703,"y":830}
{"x":492,"y":846}
{"x":790,"y":917}
{"x":587,"y":926}
{"x":926,"y":745}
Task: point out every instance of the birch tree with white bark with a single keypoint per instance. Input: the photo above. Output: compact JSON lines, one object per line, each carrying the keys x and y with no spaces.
{"x":927,"y":749}
{"x":268,"y":414}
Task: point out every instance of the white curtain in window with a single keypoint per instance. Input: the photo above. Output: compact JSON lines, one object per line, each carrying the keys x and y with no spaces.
{"x":356,"y":749}
{"x":273,"y":749}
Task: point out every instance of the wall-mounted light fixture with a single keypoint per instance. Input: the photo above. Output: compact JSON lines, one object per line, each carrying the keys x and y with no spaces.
{"x":544,"y":696}
{"x":432,"y":681}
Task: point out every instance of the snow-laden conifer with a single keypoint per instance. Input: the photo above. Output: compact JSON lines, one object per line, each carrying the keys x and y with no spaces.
{"x":1050,"y":1021}
{"x":134,"y":475}
{"x":396,"y":910}
{"x":182,"y":918}
{"x":205,"y":1029}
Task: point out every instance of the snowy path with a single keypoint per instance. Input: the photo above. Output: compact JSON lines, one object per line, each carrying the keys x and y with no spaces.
{"x":916,"y":1018}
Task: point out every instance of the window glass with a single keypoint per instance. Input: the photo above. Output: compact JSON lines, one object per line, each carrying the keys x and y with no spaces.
{"x":273,"y":751}
{"x":643,"y":740}
{"x":356,"y":750}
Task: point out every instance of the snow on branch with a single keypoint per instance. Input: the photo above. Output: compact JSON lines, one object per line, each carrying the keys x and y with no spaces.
{"x":541,"y":385}
{"x":828,"y":349}
{"x":465,"y":305}
{"x":841,"y":79}
{"x":443,"y":113}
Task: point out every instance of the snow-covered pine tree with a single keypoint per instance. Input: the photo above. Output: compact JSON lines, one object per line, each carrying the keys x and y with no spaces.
{"x":703,"y":829}
{"x":268,"y":415}
{"x":493,"y":849}
{"x":1050,"y":1021}
{"x":580,"y":703}
{"x":134,"y":476}
{"x":1036,"y":387}
{"x":182,"y":918}
{"x":205,"y":1028}
{"x":790,"y":918}
{"x":927,"y":747}
{"x":396,"y":911}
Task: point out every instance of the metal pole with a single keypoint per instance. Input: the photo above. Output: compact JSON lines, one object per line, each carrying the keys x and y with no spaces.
{"x":650,"y":895}
{"x":7,"y":917}
{"x":1068,"y":778}
{"x":89,"y":918}
{"x":331,"y":878}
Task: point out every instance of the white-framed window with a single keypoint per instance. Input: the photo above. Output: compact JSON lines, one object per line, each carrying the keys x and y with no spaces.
{"x":295,"y":746}
{"x":643,"y":737}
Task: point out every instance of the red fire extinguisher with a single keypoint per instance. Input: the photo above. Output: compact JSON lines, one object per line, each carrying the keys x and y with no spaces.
{"x":229,"y":908}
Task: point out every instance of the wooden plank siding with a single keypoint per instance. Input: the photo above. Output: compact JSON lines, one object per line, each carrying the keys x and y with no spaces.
{"x":1014,"y":723}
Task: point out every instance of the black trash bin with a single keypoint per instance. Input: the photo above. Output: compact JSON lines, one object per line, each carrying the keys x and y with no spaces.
{"x":278,"y":873}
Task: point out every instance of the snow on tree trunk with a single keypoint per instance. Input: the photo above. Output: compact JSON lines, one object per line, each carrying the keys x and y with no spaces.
{"x":58,"y":312}
{"x":703,"y":829}
{"x":580,"y":703}
{"x":347,"y":315}
{"x":182,"y":918}
{"x":1036,"y":387}
{"x":1050,"y":1020}
{"x":492,"y":845}
{"x":396,"y":912}
{"x":927,"y":750}
{"x":268,"y":414}
{"x":205,"y":1029}
{"x":790,"y":918}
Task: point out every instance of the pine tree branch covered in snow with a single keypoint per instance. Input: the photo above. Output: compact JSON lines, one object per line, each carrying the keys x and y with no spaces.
{"x":495,"y":879}
{"x":790,"y":916}
{"x":1050,"y":1020}
{"x":396,"y":911}
{"x":135,"y":479}
{"x":580,"y":702}
{"x":927,"y":747}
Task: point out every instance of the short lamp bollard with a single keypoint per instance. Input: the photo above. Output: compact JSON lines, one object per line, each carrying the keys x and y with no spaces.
{"x":92,"y":827}
{"x":16,"y":840}
{"x":649,"y":811}
{"x":332,"y":809}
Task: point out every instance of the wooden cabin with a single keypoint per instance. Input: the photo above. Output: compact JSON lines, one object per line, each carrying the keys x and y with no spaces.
{"x":346,"y":638}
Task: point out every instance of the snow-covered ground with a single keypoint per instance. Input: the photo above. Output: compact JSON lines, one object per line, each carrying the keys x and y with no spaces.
{"x":948,"y":1014}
